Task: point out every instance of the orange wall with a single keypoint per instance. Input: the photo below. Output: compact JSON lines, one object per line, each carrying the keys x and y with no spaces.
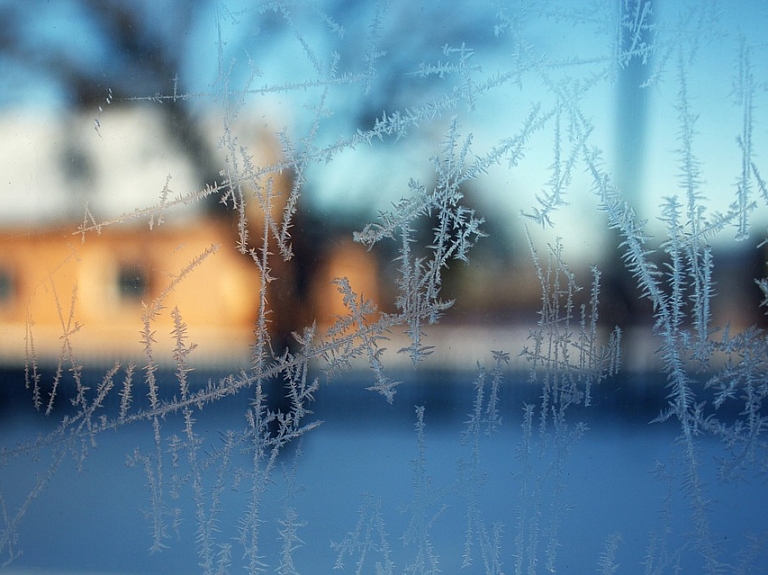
{"x":54,"y":275}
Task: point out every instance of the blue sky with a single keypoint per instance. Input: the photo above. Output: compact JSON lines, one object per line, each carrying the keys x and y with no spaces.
{"x":263,"y":48}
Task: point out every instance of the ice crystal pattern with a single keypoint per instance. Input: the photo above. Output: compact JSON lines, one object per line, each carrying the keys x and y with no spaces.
{"x":511,"y":106}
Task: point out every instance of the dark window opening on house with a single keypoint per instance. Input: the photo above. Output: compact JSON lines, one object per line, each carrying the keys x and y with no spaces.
{"x":6,"y":286}
{"x":132,"y":282}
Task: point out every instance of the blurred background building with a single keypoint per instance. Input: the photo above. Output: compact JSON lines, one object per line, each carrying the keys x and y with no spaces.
{"x":112,"y":110}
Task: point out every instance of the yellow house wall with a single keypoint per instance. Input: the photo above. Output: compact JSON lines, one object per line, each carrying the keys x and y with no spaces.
{"x":55,"y":276}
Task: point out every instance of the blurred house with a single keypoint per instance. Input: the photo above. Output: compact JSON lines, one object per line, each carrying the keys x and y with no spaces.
{"x":98,"y":291}
{"x":66,"y":296}
{"x":60,"y":289}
